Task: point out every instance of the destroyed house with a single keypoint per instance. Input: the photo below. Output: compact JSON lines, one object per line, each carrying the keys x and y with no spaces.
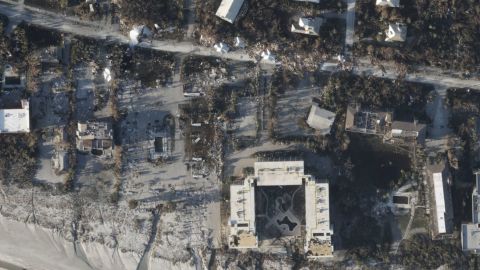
{"x":11,"y":78}
{"x":308,"y":26}
{"x":396,"y":32}
{"x":160,"y":145}
{"x":95,"y":138}
{"x":403,"y":132}
{"x":60,"y":161}
{"x":367,"y":121}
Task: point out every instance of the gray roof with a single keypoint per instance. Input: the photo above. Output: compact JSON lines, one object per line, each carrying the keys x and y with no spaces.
{"x":320,"y":119}
{"x":470,"y":237}
{"x":229,"y":9}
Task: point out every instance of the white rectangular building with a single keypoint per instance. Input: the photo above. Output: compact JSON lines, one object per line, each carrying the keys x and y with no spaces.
{"x":470,"y":237}
{"x":440,"y":209}
{"x":318,"y":238}
{"x":15,"y":120}
{"x":441,"y":198}
{"x":242,"y":216}
{"x":308,"y":26}
{"x":229,"y":9}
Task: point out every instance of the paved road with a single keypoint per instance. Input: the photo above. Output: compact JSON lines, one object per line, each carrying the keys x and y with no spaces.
{"x":440,"y":79}
{"x":18,"y":13}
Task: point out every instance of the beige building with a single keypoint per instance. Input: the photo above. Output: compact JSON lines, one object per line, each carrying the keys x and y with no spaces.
{"x":404,"y":132}
{"x":11,"y":78}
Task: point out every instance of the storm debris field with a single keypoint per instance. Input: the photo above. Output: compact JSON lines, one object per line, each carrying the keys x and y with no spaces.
{"x":178,"y":135}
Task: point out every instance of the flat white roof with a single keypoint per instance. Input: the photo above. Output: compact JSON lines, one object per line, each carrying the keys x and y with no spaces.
{"x":439,"y":202}
{"x":317,"y":208}
{"x":242,"y":206}
{"x":15,"y":120}
{"x":318,"y":230}
{"x":242,"y":215}
{"x":282,"y":173}
{"x":228,"y":10}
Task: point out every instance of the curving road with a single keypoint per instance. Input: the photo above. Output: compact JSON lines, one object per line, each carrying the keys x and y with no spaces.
{"x":17,"y":12}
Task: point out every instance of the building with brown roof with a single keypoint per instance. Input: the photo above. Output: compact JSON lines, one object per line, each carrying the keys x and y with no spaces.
{"x":405,"y":132}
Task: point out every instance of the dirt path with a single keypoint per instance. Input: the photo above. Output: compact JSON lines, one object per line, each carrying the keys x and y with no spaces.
{"x":144,"y":263}
{"x":189,"y":8}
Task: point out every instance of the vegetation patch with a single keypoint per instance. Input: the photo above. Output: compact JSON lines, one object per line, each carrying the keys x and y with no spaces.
{"x":420,"y":252}
{"x":440,"y":33}
{"x":166,"y":14}
{"x":408,"y":99}
{"x":267,"y":23}
{"x":464,"y":156}
{"x":152,"y":68}
{"x":17,"y":159}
